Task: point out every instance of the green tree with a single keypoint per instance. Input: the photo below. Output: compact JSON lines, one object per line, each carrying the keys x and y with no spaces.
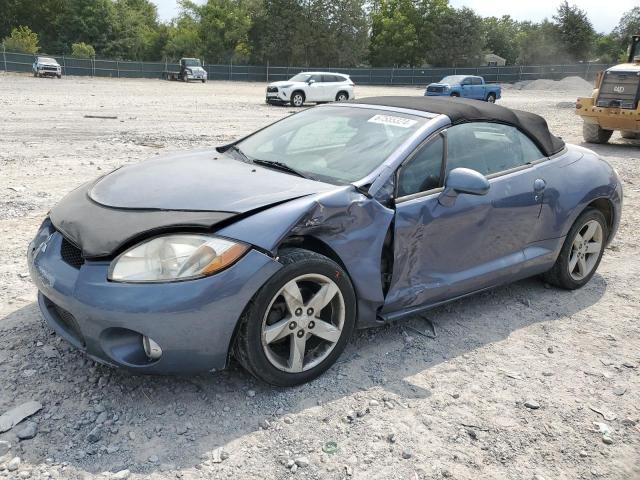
{"x":575,"y":32}
{"x":629,"y":25}
{"x":22,"y":40}
{"x":502,"y":37}
{"x":459,"y":39}
{"x":276,"y":27}
{"x":82,"y":50}
{"x":183,"y":39}
{"x":538,"y":44}
{"x":223,"y":27}
{"x":394,"y":34}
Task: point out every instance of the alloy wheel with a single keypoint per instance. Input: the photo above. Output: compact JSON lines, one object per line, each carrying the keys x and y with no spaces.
{"x":298,"y":100}
{"x":342,"y":97}
{"x":303,"y":323}
{"x":585,"y":250}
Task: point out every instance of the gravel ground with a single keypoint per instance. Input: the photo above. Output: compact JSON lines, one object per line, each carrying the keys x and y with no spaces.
{"x":509,"y":389}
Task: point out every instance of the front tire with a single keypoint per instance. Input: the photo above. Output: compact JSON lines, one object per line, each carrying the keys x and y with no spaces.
{"x":491,"y":98}
{"x":297,"y":99}
{"x":299,"y":322}
{"x":592,"y":133}
{"x":454,"y":94}
{"x":581,"y":252}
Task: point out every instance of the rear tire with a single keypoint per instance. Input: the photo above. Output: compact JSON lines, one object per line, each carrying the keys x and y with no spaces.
{"x":342,"y":96}
{"x":280,"y":320}
{"x":630,"y":135}
{"x":580,"y":247}
{"x":491,"y":98}
{"x":592,"y":133}
{"x":204,"y":81}
{"x":297,"y":99}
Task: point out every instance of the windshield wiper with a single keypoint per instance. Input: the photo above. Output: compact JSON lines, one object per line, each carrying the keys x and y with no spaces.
{"x":280,"y":166}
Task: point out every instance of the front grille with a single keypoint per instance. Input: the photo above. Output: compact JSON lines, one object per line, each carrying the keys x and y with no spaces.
{"x":71,"y":254}
{"x":49,"y":68}
{"x":272,"y":89}
{"x":67,"y":322}
{"x":619,"y":90}
{"x":435,"y":89}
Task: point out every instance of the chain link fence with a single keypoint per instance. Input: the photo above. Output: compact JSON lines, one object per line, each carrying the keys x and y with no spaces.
{"x":19,"y":62}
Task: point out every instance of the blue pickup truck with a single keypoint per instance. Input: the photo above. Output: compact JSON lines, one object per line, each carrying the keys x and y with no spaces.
{"x":465,"y":86}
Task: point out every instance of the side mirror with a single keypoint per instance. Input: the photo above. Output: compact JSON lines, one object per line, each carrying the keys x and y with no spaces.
{"x":311,"y":81}
{"x":463,"y":180}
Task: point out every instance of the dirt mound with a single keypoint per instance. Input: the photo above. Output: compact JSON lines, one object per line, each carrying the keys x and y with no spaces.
{"x":568,"y":84}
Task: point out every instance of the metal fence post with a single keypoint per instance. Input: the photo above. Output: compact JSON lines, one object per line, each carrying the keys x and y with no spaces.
{"x":64,"y":64}
{"x":4,"y":56}
{"x":118,"y":68}
{"x":231,"y":69}
{"x":267,"y":71}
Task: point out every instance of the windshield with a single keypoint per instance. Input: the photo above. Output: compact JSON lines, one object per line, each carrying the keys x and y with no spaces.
{"x":337,"y":145}
{"x":192,"y":62}
{"x":453,"y":79}
{"x":301,"y":77}
{"x":46,"y":60}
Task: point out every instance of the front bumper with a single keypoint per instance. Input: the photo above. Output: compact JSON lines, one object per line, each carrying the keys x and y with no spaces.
{"x":192,"y":321}
{"x":279,"y":97}
{"x":608,"y":118}
{"x":196,"y":76}
{"x":49,"y":73}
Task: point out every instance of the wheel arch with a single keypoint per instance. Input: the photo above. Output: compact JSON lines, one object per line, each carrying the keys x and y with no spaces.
{"x":314,"y":244}
{"x":605,"y":206}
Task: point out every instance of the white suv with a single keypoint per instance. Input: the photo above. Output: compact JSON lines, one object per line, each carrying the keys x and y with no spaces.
{"x":311,"y":87}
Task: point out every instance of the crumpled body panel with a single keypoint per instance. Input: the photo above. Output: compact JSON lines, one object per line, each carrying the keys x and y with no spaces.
{"x":351,"y":224}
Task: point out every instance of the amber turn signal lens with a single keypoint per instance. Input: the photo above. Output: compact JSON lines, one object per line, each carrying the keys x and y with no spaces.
{"x":225,"y":259}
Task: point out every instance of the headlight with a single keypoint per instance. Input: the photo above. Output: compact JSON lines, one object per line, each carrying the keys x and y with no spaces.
{"x":175,"y":257}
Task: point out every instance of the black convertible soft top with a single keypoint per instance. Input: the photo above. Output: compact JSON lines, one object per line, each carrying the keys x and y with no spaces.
{"x":461,"y":110}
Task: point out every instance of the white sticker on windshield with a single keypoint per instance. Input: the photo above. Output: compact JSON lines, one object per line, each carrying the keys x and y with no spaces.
{"x":392,"y":121}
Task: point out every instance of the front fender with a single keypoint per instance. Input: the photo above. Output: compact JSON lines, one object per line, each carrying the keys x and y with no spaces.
{"x":351,"y":224}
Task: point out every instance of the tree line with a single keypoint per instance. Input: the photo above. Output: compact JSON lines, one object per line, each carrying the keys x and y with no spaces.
{"x":338,"y":33}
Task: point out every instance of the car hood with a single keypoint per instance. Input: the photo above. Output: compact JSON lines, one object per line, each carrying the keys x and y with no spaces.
{"x":285,"y":82}
{"x":199,"y":181}
{"x":438,"y":84}
{"x":195,"y":69}
{"x":48,"y":64}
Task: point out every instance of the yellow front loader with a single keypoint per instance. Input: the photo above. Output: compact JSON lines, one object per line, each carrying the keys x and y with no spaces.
{"x":613,"y":105}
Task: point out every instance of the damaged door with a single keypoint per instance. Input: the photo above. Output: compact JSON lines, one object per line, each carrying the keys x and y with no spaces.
{"x":477,"y":241}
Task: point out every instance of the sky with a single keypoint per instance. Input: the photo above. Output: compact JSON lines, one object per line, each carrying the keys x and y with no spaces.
{"x":604,"y":14}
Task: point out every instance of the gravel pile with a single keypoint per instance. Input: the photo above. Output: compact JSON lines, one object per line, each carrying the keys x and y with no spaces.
{"x":568,"y":84}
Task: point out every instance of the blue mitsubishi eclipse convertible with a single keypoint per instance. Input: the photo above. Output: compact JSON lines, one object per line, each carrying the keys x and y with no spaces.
{"x":273,"y":249}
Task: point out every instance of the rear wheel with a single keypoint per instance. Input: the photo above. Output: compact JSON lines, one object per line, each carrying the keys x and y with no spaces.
{"x":342,"y":97}
{"x":592,"y":133}
{"x":581,"y":252}
{"x":297,"y":99}
{"x":204,"y":81}
{"x":491,"y":98}
{"x":299,"y":322}
{"x":630,"y":135}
